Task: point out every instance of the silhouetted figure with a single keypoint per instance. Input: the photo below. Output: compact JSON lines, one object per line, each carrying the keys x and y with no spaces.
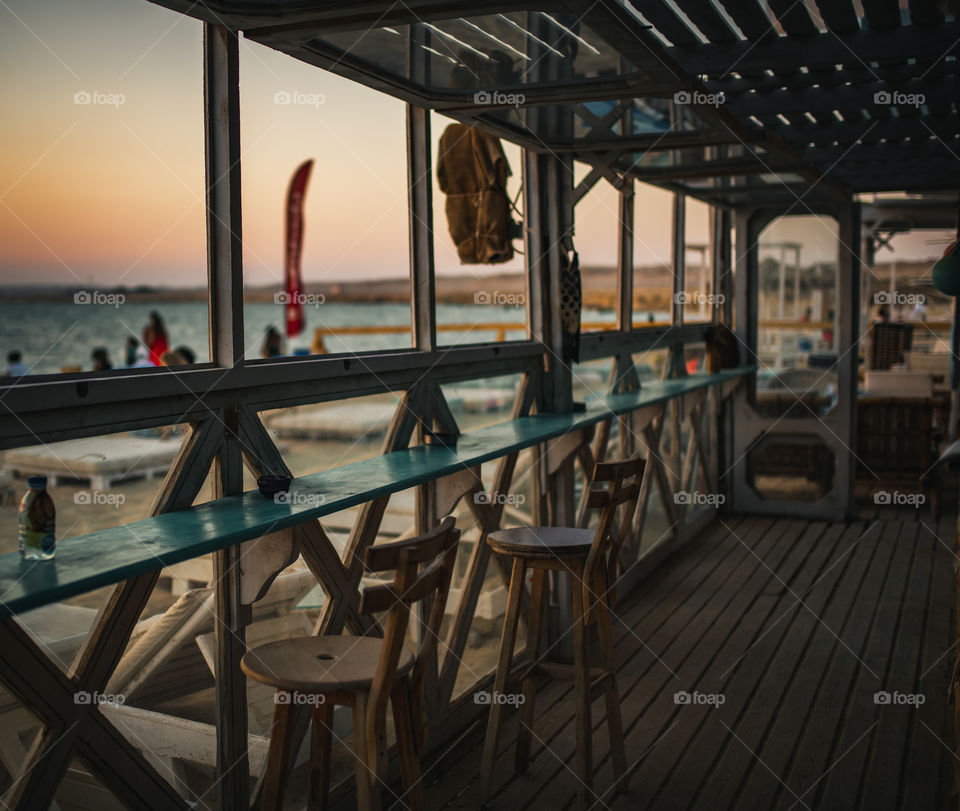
{"x":155,"y":338}
{"x":272,"y":344}
{"x":15,"y":365}
{"x":101,"y":360}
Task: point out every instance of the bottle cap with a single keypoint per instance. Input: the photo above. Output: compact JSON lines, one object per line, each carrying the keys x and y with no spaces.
{"x":37,"y":482}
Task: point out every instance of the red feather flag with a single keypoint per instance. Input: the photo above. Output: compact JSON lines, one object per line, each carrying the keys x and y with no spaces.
{"x":294,"y":319}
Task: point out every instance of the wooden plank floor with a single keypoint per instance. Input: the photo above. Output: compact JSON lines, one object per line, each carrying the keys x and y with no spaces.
{"x":797,"y":625}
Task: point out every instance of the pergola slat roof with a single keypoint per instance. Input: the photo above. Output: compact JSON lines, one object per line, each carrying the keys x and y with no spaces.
{"x":780,"y":95}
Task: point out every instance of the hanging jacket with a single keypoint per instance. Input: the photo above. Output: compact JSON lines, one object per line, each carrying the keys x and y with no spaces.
{"x":472,"y":171}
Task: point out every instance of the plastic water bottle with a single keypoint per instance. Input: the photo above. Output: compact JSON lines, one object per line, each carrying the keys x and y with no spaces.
{"x":37,"y":535}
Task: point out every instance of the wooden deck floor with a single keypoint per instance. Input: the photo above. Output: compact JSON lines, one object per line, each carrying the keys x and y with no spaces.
{"x":797,"y":625}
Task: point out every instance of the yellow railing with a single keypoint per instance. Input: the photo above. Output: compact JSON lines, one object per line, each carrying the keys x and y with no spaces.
{"x":501,"y":328}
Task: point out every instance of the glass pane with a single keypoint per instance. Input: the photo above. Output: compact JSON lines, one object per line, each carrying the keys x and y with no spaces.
{"x":652,"y":274}
{"x":797,"y":300}
{"x":355,"y":291}
{"x":477,"y":301}
{"x":597,"y":220}
{"x":102,"y":221}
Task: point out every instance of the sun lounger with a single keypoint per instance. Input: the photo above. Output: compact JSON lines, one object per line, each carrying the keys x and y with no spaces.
{"x":100,"y":461}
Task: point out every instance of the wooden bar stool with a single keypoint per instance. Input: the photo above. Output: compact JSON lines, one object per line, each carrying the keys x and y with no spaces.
{"x":363,"y":673}
{"x":591,"y":558}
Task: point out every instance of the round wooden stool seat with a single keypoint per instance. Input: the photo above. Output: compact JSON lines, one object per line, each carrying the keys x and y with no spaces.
{"x":542,"y":541}
{"x":317,"y":664}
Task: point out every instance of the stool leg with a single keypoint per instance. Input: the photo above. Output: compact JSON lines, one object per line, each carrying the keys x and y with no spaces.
{"x":581,"y":693}
{"x":279,"y":754}
{"x":367,"y":796}
{"x":505,"y":660}
{"x":612,"y":695}
{"x":320,"y":747}
{"x":409,"y":758}
{"x":534,"y":634}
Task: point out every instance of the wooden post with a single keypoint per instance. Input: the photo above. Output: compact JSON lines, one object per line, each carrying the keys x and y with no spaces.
{"x":420,"y":212}
{"x":221,"y":63}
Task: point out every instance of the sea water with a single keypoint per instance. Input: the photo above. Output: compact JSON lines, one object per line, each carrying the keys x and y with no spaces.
{"x":54,"y":334}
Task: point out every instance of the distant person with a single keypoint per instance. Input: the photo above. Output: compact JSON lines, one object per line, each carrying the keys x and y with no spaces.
{"x":155,"y":338}
{"x":883,"y":314}
{"x":141,"y":358}
{"x":272,"y":344}
{"x":807,"y":315}
{"x":828,"y":330}
{"x":131,"y":352}
{"x":919,"y":311}
{"x":101,"y":360}
{"x":651,"y":319}
{"x":15,"y":365}
{"x":172,"y":358}
{"x":188,"y":355}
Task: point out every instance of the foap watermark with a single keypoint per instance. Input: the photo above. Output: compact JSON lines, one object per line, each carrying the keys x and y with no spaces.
{"x":490,"y":97}
{"x":698,"y":499}
{"x":314,"y":699}
{"x":496,"y":297}
{"x":711,"y":299}
{"x":96,"y":97}
{"x":307,"y":299}
{"x":895,"y":97}
{"x":698,"y":698}
{"x":898,"y":499}
{"x":511,"y":699}
{"x":899,"y":699}
{"x":492,"y":497}
{"x":83,"y":697}
{"x":300,"y":499}
{"x":898,"y":298}
{"x":98,"y":297}
{"x":99,"y":498}
{"x":699,"y":97}
{"x":298,"y":97}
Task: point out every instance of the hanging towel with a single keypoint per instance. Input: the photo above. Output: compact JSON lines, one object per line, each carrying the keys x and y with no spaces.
{"x":571,"y":305}
{"x":472,"y":171}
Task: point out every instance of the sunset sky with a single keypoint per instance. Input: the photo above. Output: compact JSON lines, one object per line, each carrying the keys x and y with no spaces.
{"x":111,"y":191}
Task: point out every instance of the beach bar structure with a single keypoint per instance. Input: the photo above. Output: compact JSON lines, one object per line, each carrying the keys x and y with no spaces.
{"x":771,"y":651}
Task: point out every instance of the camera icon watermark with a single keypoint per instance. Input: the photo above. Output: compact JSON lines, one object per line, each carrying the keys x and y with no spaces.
{"x":495,"y":97}
{"x":99,"y":498}
{"x":489,"y":497}
{"x":298,"y":97}
{"x":95,"y":97}
{"x":886,"y":98}
{"x":307,"y":299}
{"x":99,"y":298}
{"x":896,"y":698}
{"x":700,"y":98}
{"x":710,"y":299}
{"x":84,"y":697}
{"x":699,"y":699}
{"x":307,"y":500}
{"x":898,"y":298}
{"x":498,"y":298}
{"x":509,"y":699}
{"x":312,"y":699}
{"x":898,"y":499}
{"x":698,"y":499}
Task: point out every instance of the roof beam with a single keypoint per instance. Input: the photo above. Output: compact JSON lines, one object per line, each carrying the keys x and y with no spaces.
{"x":893,"y":129}
{"x":815,"y":99}
{"x":718,"y":168}
{"x":662,"y":141}
{"x":818,"y":51}
{"x":860,"y":75}
{"x":896,"y":155}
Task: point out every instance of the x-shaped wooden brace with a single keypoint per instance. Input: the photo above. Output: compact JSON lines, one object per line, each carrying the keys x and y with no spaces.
{"x":66,"y":704}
